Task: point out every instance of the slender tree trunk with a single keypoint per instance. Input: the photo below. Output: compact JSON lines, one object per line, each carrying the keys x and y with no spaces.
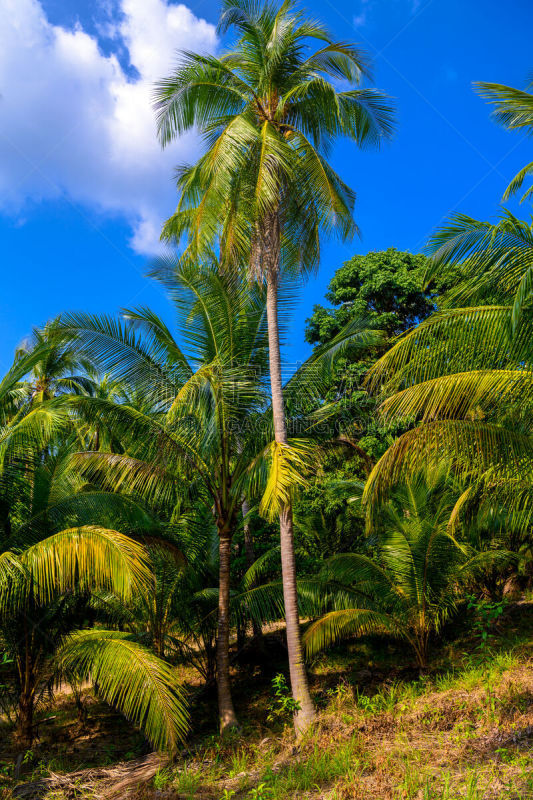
{"x":227,"y":715}
{"x":24,"y":731}
{"x":421,"y":650}
{"x":248,"y":538}
{"x":300,"y":689}
{"x":249,"y":553}
{"x":81,"y":708}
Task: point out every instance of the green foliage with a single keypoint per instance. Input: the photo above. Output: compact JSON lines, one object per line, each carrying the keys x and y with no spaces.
{"x":268,"y":131}
{"x":513,"y":108}
{"x":260,"y":792}
{"x":142,"y":686}
{"x":409,"y":589}
{"x":63,"y":548}
{"x":386,"y":287}
{"x":283,"y":706}
{"x":463,"y":379}
{"x":494,"y":261}
{"x":485,"y":616}
{"x":127,"y":449}
{"x":327,"y":514}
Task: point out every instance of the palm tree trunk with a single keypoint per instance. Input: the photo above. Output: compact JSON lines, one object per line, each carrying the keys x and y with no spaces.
{"x":248,"y":538}
{"x":227,"y":715}
{"x":421,"y":649}
{"x":24,"y":729}
{"x":249,"y":553}
{"x":300,"y":689}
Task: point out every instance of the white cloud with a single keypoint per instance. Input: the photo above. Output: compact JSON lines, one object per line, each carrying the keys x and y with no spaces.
{"x":369,"y":10}
{"x":360,"y":20}
{"x":74,"y":124}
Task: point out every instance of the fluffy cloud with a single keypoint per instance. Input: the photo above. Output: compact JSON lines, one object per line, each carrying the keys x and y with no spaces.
{"x":75,"y":123}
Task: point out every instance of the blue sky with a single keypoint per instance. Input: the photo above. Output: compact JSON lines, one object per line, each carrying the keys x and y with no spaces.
{"x":84,"y":185}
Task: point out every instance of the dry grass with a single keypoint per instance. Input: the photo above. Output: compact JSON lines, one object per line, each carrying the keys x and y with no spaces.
{"x":384,"y":733}
{"x":459,"y":737}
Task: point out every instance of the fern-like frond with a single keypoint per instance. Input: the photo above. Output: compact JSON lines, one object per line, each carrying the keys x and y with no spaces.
{"x":453,"y":341}
{"x":290,"y":465}
{"x":470,"y":448}
{"x":462,"y":395}
{"x":131,"y":678}
{"x":86,"y":558}
{"x":338,"y":625}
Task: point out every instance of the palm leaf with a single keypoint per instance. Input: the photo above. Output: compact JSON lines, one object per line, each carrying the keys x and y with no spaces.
{"x":289,"y":467}
{"x":143,"y":687}
{"x":88,"y":558}
{"x":338,"y":625}
{"x":461,"y":395}
{"x":473,"y":449}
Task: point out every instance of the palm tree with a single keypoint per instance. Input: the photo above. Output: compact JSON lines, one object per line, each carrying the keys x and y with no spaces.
{"x":60,"y":369}
{"x":410,"y":588}
{"x":201,"y":429}
{"x":46,"y":587}
{"x":463,"y":379}
{"x":269,"y":110}
{"x":178,"y":620}
{"x":59,"y":542}
{"x":513,"y":108}
{"x":43,"y":593}
{"x":198,"y":441}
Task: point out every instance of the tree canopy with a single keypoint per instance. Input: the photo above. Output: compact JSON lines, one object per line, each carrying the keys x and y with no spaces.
{"x":386,"y":287}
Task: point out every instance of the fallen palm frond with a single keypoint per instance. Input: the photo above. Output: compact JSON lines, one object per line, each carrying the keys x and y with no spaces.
{"x":99,"y":783}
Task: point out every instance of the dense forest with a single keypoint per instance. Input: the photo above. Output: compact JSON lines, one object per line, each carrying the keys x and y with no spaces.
{"x":221,"y":581}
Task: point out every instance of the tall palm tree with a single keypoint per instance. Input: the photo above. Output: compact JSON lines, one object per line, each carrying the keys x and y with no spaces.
{"x":201,"y":428}
{"x":199,"y":439}
{"x":269,"y":109}
{"x":513,"y":108}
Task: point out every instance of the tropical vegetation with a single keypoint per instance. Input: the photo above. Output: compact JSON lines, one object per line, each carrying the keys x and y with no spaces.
{"x":186,"y":532}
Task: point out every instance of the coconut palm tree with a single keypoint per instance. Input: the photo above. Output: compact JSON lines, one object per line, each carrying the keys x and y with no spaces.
{"x":409,"y":588}
{"x":269,"y":110}
{"x":60,"y":368}
{"x":60,"y":550}
{"x":60,"y":541}
{"x":199,"y":440}
{"x":513,"y":108}
{"x":463,"y":379}
{"x":43,"y":593}
{"x":178,"y":620}
{"x":208,"y":432}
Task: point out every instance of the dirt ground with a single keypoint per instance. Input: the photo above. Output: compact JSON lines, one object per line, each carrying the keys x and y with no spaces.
{"x":463,"y":731}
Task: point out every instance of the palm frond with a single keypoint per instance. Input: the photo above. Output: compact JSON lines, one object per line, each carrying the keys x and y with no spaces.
{"x":338,"y":625}
{"x":471,"y":448}
{"x":462,"y":395}
{"x":87,"y":558}
{"x":129,"y":676}
{"x":290,"y":465}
